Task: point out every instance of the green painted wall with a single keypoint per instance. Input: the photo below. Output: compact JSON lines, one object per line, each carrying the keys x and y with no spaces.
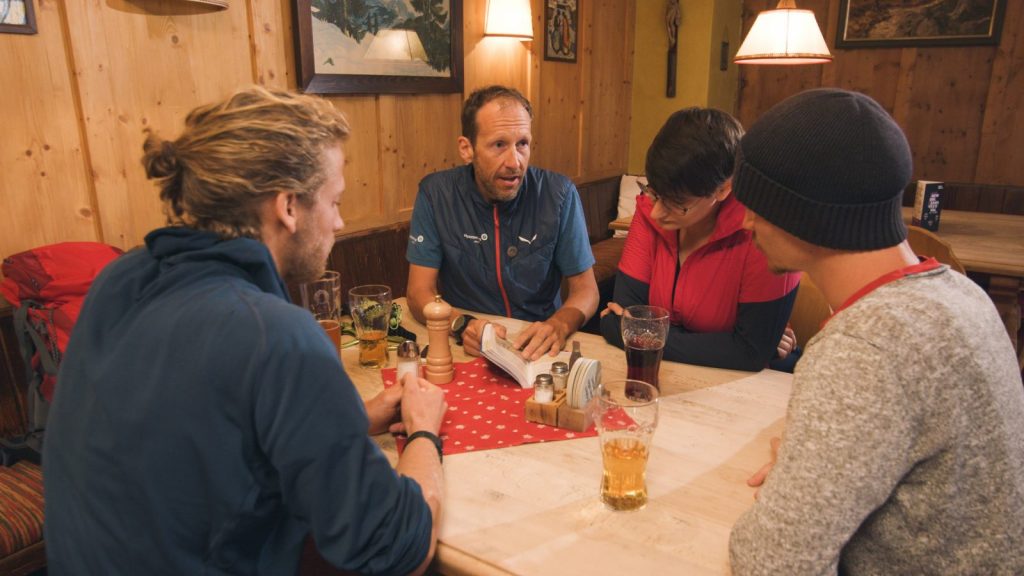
{"x":703,"y":26}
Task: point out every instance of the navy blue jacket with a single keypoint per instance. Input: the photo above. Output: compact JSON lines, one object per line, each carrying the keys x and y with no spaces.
{"x":204,"y":425}
{"x":538,"y":237}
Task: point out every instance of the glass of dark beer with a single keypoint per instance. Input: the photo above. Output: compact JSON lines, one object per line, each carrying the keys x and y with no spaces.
{"x":644,"y":330}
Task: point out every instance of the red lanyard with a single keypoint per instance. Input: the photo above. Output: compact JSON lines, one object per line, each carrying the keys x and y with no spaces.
{"x":929,"y":264}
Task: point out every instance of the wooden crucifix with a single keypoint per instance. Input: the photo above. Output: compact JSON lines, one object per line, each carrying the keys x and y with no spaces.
{"x":672,"y":19}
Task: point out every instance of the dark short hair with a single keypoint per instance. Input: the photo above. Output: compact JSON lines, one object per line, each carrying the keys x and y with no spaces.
{"x":479,"y":98}
{"x":693,"y":154}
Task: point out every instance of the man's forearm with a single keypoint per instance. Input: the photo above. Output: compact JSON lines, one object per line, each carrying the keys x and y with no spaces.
{"x":417,"y":300}
{"x":420,"y":462}
{"x":568,"y":319}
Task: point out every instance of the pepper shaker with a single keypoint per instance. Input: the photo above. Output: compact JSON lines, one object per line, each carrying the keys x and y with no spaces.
{"x":440,"y":368}
{"x":560,"y":376}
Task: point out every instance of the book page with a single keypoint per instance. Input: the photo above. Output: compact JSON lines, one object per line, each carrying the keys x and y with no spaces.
{"x":501,"y":352}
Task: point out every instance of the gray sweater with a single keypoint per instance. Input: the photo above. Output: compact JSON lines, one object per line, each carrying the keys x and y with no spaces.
{"x":904,"y":443}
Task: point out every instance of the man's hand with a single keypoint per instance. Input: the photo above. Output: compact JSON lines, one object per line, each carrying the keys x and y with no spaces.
{"x":474,"y":334}
{"x":787,"y":343}
{"x":612,"y":308}
{"x":547,"y":337}
{"x":383,"y":409}
{"x":757,"y":480}
{"x":423,"y":406}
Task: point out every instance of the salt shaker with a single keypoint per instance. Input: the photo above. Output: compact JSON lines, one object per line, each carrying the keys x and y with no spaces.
{"x":408,"y":359}
{"x":543,"y":389}
{"x":560,"y":375}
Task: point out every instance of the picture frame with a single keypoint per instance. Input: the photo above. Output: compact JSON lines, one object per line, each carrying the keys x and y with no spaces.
{"x":17,"y":17}
{"x":561,"y":30}
{"x":908,"y":23}
{"x":397,"y":47}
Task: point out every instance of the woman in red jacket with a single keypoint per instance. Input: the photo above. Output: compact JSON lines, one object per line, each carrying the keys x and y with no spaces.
{"x":688,"y":252}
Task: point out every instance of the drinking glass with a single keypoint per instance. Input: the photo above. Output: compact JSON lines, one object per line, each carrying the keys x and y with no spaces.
{"x":644,"y":330}
{"x":322,"y":297}
{"x":370,"y":306}
{"x":626,"y":414}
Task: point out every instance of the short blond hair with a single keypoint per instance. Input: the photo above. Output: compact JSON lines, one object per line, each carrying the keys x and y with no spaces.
{"x":235,"y":154}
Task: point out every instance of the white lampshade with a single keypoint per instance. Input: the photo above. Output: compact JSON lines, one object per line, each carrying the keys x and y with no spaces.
{"x":784,"y":36}
{"x":511,"y":18}
{"x":394,"y":44}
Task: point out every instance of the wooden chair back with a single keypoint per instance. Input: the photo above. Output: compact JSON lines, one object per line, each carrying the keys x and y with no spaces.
{"x":809,"y":311}
{"x":927,"y":243}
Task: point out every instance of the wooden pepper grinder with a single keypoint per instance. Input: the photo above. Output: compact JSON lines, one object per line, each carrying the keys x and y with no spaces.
{"x":439,"y":354}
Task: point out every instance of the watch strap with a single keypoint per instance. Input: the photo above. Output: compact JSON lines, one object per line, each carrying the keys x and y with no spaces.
{"x":432,"y":437}
{"x":466,"y":319}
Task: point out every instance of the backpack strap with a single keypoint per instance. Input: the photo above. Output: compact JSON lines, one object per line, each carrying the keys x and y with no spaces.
{"x":30,"y":341}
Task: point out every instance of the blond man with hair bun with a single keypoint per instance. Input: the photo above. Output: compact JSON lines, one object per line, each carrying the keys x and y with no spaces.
{"x":204,"y":424}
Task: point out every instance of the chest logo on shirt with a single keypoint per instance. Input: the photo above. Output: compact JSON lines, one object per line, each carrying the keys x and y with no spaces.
{"x":476,"y":239}
{"x":416,"y":239}
{"x":530,"y":241}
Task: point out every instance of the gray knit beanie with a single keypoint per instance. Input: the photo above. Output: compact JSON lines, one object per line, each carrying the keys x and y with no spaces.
{"x":828,"y":166}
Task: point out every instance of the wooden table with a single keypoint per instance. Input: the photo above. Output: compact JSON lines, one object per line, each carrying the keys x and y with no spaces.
{"x":534,"y":509}
{"x":991,"y":244}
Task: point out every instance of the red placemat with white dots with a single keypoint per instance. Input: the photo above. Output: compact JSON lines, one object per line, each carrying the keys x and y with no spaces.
{"x":486,"y":410}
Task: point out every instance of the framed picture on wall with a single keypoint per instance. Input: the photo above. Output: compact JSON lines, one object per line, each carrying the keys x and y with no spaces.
{"x":17,"y":17}
{"x":379,"y":46}
{"x":895,"y":23}
{"x":561,"y":30}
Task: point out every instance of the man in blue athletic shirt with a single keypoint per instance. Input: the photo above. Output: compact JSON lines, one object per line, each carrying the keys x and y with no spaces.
{"x":497,"y":236}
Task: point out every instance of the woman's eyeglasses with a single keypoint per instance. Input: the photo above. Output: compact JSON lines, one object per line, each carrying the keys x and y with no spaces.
{"x":653,"y":196}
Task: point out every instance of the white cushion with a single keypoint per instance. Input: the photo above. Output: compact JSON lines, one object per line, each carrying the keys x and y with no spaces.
{"x":628,"y":189}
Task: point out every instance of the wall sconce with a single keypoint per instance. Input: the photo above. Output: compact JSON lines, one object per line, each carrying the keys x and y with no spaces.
{"x":394,"y":44}
{"x":784,"y":36}
{"x":509,"y":18}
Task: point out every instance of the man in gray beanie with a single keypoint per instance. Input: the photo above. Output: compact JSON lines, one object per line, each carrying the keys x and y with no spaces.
{"x":904,"y":442}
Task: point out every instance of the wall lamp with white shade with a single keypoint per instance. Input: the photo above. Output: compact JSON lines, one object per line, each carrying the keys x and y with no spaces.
{"x":509,"y":18}
{"x":784,"y":36}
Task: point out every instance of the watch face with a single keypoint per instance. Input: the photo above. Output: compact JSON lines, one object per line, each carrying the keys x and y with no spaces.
{"x":458,"y":324}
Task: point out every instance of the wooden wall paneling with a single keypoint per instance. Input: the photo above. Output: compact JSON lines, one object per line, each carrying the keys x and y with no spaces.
{"x":557,"y":105}
{"x":606,"y":56}
{"x":147,"y":63}
{"x":363,"y":204}
{"x":374,"y":256}
{"x":428,"y":141}
{"x":273,"y":46}
{"x":940,"y":107}
{"x":45,"y":185}
{"x":999,"y":152}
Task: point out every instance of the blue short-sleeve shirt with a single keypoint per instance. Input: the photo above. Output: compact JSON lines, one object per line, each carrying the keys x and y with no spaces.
{"x":507,"y":258}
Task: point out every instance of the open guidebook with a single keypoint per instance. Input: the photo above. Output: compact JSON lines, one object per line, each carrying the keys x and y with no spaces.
{"x":501,"y":352}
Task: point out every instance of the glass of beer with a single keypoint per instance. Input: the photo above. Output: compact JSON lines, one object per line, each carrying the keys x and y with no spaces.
{"x":644,"y":330}
{"x":626,"y":414}
{"x":370,"y":306}
{"x":322,"y":297}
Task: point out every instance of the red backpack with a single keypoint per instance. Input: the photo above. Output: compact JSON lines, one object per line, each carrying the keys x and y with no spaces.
{"x":47,"y":286}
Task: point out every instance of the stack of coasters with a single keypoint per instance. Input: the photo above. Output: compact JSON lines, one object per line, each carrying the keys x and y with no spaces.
{"x":583,"y":379}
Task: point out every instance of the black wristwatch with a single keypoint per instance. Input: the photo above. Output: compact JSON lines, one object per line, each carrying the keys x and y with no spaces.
{"x":459,"y":325}
{"x":432,"y":437}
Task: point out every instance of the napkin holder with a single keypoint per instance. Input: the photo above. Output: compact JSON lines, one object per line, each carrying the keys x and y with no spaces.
{"x":582,"y":380}
{"x":558,"y":413}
